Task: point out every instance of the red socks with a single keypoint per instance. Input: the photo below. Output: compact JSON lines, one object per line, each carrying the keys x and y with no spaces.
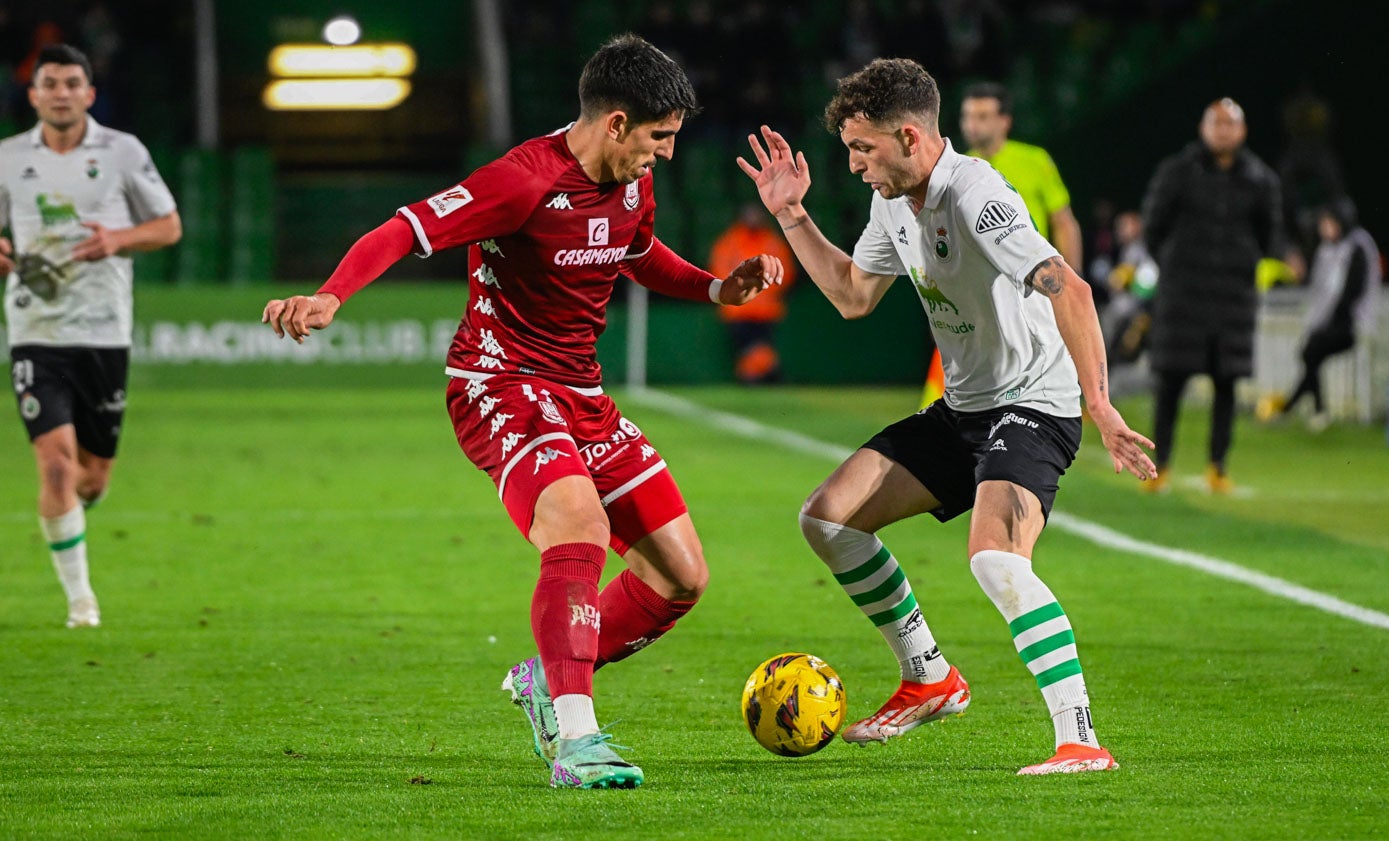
{"x":634,"y":616}
{"x":565,"y":615}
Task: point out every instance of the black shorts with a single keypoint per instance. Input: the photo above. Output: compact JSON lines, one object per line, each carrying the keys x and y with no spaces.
{"x":83,"y":386}
{"x":951,"y":452}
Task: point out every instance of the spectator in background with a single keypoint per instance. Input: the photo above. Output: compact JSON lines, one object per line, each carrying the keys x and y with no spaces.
{"x":1132,"y":281}
{"x":1212,"y":211}
{"x":752,"y":326}
{"x":1343,"y":290}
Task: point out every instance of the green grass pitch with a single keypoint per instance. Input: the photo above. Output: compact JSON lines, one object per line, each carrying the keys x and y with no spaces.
{"x":310,"y":598}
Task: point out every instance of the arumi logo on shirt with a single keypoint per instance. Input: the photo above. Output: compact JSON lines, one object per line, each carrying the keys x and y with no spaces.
{"x":995,"y":215}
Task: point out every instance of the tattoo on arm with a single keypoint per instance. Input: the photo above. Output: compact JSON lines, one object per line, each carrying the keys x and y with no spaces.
{"x":793,"y":225}
{"x":1047,"y":277}
{"x":1104,"y":379}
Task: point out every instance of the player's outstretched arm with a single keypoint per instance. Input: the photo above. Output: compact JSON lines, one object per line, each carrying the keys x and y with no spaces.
{"x":1079,"y":326}
{"x":750,"y":278}
{"x":783,"y":179}
{"x":364,"y":262}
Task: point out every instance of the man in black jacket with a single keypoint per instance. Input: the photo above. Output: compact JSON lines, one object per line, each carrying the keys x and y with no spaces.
{"x":1211,"y":213}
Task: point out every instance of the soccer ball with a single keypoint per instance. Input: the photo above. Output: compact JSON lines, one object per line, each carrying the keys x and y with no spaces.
{"x":793,"y":704}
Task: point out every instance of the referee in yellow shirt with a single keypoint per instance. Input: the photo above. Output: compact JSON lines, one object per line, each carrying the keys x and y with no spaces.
{"x":986,"y":117}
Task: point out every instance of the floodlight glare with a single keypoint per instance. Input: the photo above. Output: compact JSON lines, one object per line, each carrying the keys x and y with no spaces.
{"x":334,"y":94}
{"x":342,"y":31}
{"x":386,"y":59}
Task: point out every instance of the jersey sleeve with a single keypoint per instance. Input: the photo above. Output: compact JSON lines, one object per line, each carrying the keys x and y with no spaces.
{"x":997,"y":221}
{"x":494,"y":201}
{"x":145,"y":191}
{"x":874,"y":251}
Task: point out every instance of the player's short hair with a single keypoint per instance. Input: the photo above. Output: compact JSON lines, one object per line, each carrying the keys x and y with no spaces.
{"x":62,"y":54}
{"x":629,"y":74}
{"x":991,"y":90}
{"x":887,"y":89}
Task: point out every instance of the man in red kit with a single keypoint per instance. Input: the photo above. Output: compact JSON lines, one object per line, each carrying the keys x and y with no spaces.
{"x":550,"y":226}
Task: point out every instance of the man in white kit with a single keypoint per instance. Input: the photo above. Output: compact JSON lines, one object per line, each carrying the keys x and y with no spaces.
{"x":1020,"y":342}
{"x":77,"y":198}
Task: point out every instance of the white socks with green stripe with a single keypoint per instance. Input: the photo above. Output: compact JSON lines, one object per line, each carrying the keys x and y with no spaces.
{"x":1043,"y":637}
{"x":870,"y":575}
{"x":67,"y":540}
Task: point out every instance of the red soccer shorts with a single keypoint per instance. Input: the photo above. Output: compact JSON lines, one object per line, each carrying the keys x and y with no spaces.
{"x":527,"y":432}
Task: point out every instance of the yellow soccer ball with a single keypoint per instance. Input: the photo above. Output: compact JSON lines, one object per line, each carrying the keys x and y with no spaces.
{"x":793,"y":704}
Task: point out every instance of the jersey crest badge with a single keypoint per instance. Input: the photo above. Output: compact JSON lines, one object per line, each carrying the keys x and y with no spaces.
{"x":450,"y":200}
{"x":942,"y":245}
{"x":93,"y":171}
{"x":632,"y":198}
{"x":995,"y":215}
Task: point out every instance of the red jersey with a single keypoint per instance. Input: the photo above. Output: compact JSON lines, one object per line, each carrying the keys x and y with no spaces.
{"x":547,"y":244}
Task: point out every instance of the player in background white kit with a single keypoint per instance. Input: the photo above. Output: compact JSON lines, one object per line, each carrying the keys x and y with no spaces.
{"x":77,"y":198}
{"x":1019,"y":340}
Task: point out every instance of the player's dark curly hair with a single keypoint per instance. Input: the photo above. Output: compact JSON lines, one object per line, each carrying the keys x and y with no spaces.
{"x":631,"y":75}
{"x":62,"y":54}
{"x":886,"y":90}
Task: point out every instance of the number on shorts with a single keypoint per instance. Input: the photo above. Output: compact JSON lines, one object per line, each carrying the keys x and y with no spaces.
{"x":23,"y":373}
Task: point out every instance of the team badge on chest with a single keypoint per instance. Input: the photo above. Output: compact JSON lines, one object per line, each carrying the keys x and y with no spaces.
{"x":942,"y":245}
{"x":632,"y":198}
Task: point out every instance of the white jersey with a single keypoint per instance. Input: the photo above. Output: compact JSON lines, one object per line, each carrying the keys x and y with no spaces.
{"x":967,"y":253}
{"x":44,"y":199}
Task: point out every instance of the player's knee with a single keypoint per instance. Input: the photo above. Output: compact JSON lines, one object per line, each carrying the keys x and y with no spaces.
{"x":830,"y":540}
{"x":690,"y":582}
{"x":58,"y":473}
{"x":92,"y":489}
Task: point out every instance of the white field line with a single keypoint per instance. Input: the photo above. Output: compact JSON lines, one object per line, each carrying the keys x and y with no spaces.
{"x":1093,"y":532}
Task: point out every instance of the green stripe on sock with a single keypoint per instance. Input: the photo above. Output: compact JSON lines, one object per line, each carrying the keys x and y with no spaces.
{"x":1061,"y":671}
{"x":1033,"y":618}
{"x":67,"y":544}
{"x":892,"y":615}
{"x":883,"y":590}
{"x":864,"y":569}
{"x":1048,"y":645}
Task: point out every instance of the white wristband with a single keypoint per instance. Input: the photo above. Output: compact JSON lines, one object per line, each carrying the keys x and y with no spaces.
{"x":714,"y":287}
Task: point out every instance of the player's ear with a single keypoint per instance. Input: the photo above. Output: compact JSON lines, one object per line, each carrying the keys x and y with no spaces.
{"x":618,"y":125}
{"x":910,"y":138}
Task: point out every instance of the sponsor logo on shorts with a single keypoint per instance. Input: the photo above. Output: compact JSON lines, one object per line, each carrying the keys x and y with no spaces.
{"x":1011,"y":418}
{"x":29,"y":407}
{"x":498,"y":421}
{"x":999,"y":447}
{"x":115,"y":404}
{"x":509,"y":441}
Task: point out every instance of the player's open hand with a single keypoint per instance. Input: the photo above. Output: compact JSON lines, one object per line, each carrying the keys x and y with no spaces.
{"x":749,"y":279}
{"x":782,"y":177}
{"x":298,"y":315}
{"x":1125,"y":446}
{"x":6,"y":256}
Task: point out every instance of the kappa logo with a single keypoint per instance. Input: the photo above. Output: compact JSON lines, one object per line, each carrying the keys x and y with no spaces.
{"x":632,"y":198}
{"x":995,"y":215}
{"x":450,"y":200}
{"x":546,"y":456}
{"x":598,"y":231}
{"x":902,"y":235}
{"x":560,"y":202}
